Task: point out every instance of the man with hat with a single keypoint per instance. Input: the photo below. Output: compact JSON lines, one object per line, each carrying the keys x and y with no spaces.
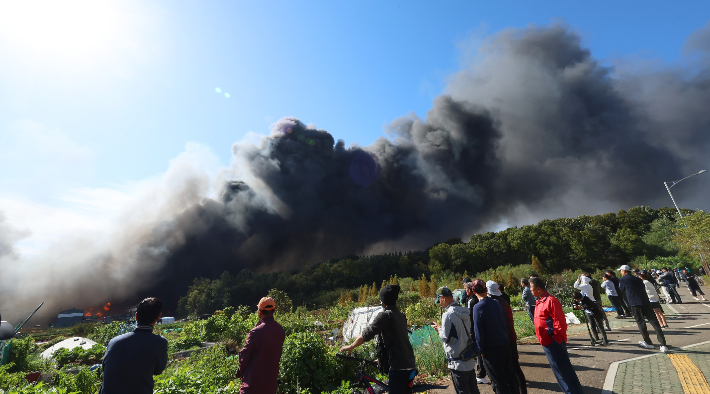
{"x":392,"y":325}
{"x":259,"y":358}
{"x":455,"y":331}
{"x":641,"y":307}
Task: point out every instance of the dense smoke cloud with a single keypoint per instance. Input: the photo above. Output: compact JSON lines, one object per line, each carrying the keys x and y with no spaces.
{"x":535,"y":128}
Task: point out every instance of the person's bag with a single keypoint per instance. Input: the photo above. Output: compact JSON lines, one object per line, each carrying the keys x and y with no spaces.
{"x":471,"y":350}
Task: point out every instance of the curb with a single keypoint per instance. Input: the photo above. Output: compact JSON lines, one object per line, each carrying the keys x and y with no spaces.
{"x":608,"y":387}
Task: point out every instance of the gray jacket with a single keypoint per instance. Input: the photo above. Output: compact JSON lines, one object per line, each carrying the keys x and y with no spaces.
{"x":455,"y":324}
{"x":528,"y":297}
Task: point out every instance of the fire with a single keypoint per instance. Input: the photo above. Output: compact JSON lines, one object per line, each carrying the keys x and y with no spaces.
{"x":101,"y":312}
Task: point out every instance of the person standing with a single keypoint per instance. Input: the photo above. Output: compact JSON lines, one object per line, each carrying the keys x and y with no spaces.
{"x":465,"y":296}
{"x":495,"y":293}
{"x":551,"y":332}
{"x":593,"y":313}
{"x":392,"y":325}
{"x":597,"y":291}
{"x":454,"y":331}
{"x":622,"y":295}
{"x":259,"y":358}
{"x":528,"y":298}
{"x":693,"y":285}
{"x":670,"y":280}
{"x":636,"y":292}
{"x":654,"y":300}
{"x":492,"y":339}
{"x":614,"y":298}
{"x":133,"y":358}
{"x":472,"y":301}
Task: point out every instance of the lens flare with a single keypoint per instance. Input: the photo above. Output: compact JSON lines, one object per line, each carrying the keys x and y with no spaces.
{"x":218,"y":90}
{"x":226,"y":95}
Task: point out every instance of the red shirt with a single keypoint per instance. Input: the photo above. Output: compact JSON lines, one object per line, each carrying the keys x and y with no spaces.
{"x":550,"y":320}
{"x":260,"y":357}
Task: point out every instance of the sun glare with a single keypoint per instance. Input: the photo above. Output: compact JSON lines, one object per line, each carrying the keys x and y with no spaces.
{"x":68,"y":30}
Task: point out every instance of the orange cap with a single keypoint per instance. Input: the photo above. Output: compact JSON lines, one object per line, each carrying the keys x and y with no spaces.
{"x":266,"y":304}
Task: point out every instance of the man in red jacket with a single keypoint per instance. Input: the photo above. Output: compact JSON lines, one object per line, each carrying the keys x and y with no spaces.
{"x":261,"y":354}
{"x":551,"y":332}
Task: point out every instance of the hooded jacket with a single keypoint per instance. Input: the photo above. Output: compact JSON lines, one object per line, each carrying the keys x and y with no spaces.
{"x":455,"y":327}
{"x":583,"y":285}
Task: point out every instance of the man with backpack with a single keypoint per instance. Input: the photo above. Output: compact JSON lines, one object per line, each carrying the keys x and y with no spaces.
{"x":391,"y":326}
{"x":455,"y":332}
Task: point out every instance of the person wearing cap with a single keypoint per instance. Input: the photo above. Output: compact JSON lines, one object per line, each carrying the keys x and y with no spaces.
{"x":260,"y":357}
{"x":641,"y":307}
{"x":495,"y":293}
{"x":624,"y":302}
{"x":671,"y":284}
{"x":133,"y":358}
{"x":392,"y":325}
{"x":492,"y":338}
{"x":528,"y":298}
{"x":454,"y":331}
{"x":551,"y":332}
{"x":472,"y":301}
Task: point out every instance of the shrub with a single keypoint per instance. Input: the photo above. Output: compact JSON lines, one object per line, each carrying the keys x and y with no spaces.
{"x":305,"y":363}
{"x":422,"y":313}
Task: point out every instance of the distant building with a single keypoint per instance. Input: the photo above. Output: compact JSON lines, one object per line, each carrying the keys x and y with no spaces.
{"x":69,"y":317}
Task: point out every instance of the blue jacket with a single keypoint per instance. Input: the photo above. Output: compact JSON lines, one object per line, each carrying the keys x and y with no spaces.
{"x":635,"y":290}
{"x":528,"y":297}
{"x":489,"y":324}
{"x":131,"y":360}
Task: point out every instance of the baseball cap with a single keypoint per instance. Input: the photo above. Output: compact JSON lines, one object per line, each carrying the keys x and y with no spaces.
{"x":266,"y":304}
{"x":443,"y":291}
{"x":624,"y":267}
{"x":465,"y":280}
{"x":493,"y":288}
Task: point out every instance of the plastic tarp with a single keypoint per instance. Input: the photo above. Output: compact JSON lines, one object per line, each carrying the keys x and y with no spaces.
{"x":572,"y":319}
{"x":70,"y":344}
{"x":358,"y":319}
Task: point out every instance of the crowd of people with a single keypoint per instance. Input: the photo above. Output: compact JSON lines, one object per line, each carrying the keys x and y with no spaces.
{"x":477,"y":334}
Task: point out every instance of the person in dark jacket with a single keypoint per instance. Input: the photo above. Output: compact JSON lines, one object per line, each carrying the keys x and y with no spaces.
{"x":392,"y":324}
{"x":492,"y":339}
{"x":495,"y":293}
{"x":260,"y":357}
{"x":472,"y":301}
{"x":622,"y":295}
{"x":465,"y":297}
{"x":671,"y":284}
{"x":597,"y":294}
{"x":133,"y":358}
{"x":636,"y":292}
{"x":593,"y":312}
{"x":693,"y":285}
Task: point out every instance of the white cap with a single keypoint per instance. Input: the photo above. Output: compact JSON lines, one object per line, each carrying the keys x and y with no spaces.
{"x":625,"y":268}
{"x":493,"y":288}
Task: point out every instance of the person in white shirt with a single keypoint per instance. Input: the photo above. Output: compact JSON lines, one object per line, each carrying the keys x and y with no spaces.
{"x":653,"y":298}
{"x":614,"y":297}
{"x":582,"y":283}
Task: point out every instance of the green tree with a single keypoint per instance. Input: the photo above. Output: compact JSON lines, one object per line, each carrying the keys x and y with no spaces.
{"x":423,"y":287}
{"x":693,"y":235}
{"x":658,"y":241}
{"x":537,"y":266}
{"x":282,"y":301}
{"x":628,"y":243}
{"x":441,"y":255}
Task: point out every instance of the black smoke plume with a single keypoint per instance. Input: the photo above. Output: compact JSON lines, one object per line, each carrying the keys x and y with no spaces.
{"x":535,"y":128}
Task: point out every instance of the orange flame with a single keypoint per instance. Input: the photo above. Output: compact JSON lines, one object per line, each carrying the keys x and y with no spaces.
{"x":100,"y":313}
{"x":107,"y":306}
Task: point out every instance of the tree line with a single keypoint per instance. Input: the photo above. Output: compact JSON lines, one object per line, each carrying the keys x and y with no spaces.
{"x":586,"y":242}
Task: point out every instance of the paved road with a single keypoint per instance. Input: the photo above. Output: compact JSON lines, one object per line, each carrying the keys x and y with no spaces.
{"x":690,"y":325}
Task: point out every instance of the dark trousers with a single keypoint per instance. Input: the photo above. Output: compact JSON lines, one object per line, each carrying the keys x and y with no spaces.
{"x":464,"y":381}
{"x":498,"y":361}
{"x":531,"y":313}
{"x":480,"y":369}
{"x":616,"y":302}
{"x":625,"y":303}
{"x":674,"y":294}
{"x":517,"y":370}
{"x":643,"y":313}
{"x":399,"y":381}
{"x":595,"y":321}
{"x":694,"y":289}
{"x":562,"y":368}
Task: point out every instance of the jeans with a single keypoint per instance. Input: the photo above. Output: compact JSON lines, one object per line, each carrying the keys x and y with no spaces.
{"x":498,"y":361}
{"x":694,"y":289}
{"x":531,"y":313}
{"x":399,"y":381}
{"x":642,"y":313}
{"x":464,"y":381}
{"x":674,"y":294}
{"x":616,"y":302}
{"x":562,"y":368}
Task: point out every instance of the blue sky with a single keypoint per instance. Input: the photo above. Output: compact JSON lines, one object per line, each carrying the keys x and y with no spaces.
{"x":97,"y":99}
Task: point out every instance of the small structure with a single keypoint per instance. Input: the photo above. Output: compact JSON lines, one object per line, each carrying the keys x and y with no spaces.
{"x":358,"y":319}
{"x":69,"y":317}
{"x":68,"y":344}
{"x":166,"y":320}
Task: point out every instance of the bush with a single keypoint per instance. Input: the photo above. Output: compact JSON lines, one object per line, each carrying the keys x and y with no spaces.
{"x":84,"y":382}
{"x":422,"y":313}
{"x":305,"y":363}
{"x":104,"y":333}
{"x":79,"y":355}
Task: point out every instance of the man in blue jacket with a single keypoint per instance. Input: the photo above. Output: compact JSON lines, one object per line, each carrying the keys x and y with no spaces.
{"x":133,"y":358}
{"x":641,"y":307}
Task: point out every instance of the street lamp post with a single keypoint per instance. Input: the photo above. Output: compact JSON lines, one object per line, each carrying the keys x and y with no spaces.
{"x":702,"y":259}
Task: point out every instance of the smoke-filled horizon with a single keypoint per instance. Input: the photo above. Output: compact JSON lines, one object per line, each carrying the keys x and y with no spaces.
{"x":534,"y":128}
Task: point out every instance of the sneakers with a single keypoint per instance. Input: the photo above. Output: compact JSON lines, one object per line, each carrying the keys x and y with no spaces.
{"x":696,"y":298}
{"x":644,"y":345}
{"x":664,"y":349}
{"x":482,"y":381}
